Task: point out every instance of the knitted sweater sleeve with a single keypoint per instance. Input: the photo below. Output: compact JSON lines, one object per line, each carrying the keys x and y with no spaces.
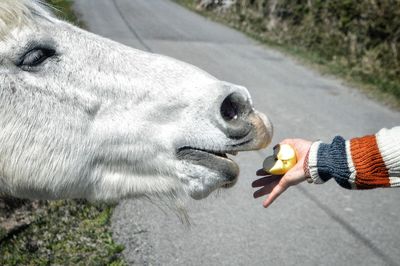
{"x":360,"y":163}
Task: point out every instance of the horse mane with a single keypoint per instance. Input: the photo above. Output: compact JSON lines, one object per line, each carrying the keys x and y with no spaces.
{"x":17,"y":13}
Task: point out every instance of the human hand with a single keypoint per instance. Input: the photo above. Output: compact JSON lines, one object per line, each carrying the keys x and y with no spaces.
{"x":276,"y":185}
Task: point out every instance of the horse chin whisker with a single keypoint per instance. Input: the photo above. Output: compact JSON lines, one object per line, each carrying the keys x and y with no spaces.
{"x":218,"y":192}
{"x":174,"y":202}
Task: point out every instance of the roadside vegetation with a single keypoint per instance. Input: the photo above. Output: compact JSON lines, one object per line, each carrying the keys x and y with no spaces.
{"x":64,"y":10}
{"x":63,"y":233}
{"x":57,"y":232}
{"x":358,"y":41}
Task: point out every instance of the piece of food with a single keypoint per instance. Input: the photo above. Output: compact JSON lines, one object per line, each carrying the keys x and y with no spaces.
{"x":283,"y":160}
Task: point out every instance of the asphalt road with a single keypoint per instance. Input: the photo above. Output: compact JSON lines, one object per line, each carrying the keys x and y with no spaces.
{"x":309,"y":224}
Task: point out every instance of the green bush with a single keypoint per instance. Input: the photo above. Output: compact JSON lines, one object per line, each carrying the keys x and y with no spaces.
{"x":357,"y":39}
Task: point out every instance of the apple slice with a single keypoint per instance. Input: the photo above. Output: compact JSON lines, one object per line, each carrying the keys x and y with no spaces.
{"x":283,"y":160}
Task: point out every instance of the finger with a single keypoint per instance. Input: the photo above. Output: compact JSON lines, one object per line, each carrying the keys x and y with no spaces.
{"x":265,"y":180}
{"x":266,"y":189}
{"x":276,"y":192}
{"x":261,"y":172}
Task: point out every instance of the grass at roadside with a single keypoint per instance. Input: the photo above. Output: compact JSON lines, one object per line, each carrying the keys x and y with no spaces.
{"x":381,"y":88}
{"x":63,"y":232}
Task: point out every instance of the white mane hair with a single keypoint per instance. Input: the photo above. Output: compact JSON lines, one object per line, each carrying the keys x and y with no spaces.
{"x":17,"y":13}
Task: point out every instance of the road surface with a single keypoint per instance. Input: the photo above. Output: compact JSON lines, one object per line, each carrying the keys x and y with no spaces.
{"x":309,"y":224}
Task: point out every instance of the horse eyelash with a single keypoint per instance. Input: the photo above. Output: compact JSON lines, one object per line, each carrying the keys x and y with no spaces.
{"x":47,"y":53}
{"x":45,"y":44}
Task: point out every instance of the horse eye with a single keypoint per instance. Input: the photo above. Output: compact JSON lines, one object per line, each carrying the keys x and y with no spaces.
{"x":35,"y":57}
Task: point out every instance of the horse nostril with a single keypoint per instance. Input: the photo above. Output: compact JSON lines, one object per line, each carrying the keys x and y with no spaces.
{"x":234,"y":110}
{"x":233,"y":106}
{"x":229,"y":109}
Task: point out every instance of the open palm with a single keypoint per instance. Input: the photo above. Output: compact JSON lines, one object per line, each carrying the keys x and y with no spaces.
{"x":276,"y":185}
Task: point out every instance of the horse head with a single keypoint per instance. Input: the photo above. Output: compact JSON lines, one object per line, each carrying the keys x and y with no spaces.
{"x":82,"y":116}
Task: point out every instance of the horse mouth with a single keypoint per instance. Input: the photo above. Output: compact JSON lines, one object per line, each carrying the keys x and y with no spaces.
{"x":216,"y":161}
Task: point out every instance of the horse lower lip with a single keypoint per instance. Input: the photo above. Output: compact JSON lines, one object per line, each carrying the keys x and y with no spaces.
{"x":217,"y":162}
{"x":197,"y":155}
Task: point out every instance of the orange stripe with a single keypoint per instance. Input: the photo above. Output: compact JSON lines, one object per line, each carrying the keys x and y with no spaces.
{"x":370,"y":167}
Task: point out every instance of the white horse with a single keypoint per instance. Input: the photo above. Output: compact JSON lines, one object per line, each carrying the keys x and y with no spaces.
{"x":82,"y":116}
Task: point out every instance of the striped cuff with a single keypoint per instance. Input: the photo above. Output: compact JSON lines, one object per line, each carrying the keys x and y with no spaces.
{"x":313,"y":163}
{"x":360,"y":163}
